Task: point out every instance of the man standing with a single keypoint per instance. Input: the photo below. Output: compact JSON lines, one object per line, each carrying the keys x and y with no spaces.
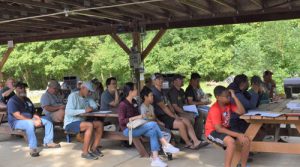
{"x":78,"y":103}
{"x":110,"y":97}
{"x":52,"y":105}
{"x":21,"y":116}
{"x":8,"y":91}
{"x":269,"y":84}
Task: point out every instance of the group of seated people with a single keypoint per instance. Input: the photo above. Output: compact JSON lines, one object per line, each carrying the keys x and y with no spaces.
{"x":163,"y":110}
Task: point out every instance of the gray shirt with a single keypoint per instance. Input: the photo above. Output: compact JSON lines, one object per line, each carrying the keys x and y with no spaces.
{"x":158,"y":97}
{"x":106,"y":98}
{"x":49,"y":99}
{"x":148,"y":111}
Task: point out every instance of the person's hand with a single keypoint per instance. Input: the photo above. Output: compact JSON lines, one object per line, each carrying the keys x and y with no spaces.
{"x":256,"y":88}
{"x":208,"y":102}
{"x":242,"y":138}
{"x":88,"y":109}
{"x":37,"y":122}
{"x":62,"y":107}
{"x":232,"y":93}
{"x":36,"y":117}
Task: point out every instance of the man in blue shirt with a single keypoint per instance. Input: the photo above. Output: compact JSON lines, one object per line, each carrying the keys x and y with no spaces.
{"x":21,"y":116}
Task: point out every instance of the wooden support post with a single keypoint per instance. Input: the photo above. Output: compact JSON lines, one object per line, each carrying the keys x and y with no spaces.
{"x":136,"y":36}
{"x":120,"y":43}
{"x":154,"y":41}
{"x":4,"y":59}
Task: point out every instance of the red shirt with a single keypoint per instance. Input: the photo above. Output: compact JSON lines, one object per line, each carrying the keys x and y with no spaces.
{"x":218,"y":116}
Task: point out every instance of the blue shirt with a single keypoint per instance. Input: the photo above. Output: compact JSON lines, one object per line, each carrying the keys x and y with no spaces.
{"x":15,"y":104}
{"x":106,"y":98}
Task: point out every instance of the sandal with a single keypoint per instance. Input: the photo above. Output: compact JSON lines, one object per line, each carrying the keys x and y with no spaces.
{"x":200,"y":145}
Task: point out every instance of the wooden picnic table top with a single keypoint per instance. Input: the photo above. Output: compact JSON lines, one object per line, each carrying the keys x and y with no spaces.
{"x":113,"y":114}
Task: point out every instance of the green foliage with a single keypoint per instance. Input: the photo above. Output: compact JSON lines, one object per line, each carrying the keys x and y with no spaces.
{"x":215,"y":52}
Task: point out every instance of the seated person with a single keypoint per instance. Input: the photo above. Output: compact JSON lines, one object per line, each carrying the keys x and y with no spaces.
{"x":98,"y":90}
{"x":269,"y":84}
{"x":128,"y":111}
{"x":249,"y":101}
{"x":110,"y":97}
{"x":177,"y":99}
{"x":78,"y":104}
{"x":21,"y":116}
{"x":52,"y":105}
{"x":217,"y":127}
{"x":8,"y":91}
{"x":263,"y":97}
{"x":195,"y":96}
{"x":171,"y":119}
{"x":147,"y":110}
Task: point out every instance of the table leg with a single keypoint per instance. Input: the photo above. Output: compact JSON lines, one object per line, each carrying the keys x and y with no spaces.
{"x":251,"y":132}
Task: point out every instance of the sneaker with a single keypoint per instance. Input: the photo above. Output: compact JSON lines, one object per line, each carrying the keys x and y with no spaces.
{"x":158,"y":162}
{"x":89,"y":156}
{"x":51,"y":145}
{"x":97,"y":153}
{"x":170,"y":149}
{"x":34,"y":153}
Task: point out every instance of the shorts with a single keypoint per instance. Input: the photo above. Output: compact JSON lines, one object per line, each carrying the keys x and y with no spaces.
{"x":73,"y":127}
{"x":217,"y":138}
{"x":167,"y":120}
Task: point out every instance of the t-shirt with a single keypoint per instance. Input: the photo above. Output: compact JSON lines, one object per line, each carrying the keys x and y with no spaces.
{"x":5,"y":99}
{"x":177,"y":96}
{"x":26,"y":108}
{"x":106,"y":98}
{"x":158,"y":97}
{"x":148,"y":111}
{"x":49,"y":99}
{"x":218,"y":116}
{"x":196,"y":94}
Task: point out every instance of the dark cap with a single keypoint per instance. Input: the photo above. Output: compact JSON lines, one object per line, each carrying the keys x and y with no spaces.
{"x":195,"y":75}
{"x":268,"y":72}
{"x":177,"y":76}
{"x":20,"y":84}
{"x":156,"y":76}
{"x":256,"y":80}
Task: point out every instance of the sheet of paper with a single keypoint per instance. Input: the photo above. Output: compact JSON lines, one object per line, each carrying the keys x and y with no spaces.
{"x":293,"y":105}
{"x":191,"y":108}
{"x":263,"y":113}
{"x":101,"y":112}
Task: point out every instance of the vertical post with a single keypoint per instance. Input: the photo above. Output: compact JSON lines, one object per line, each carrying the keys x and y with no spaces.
{"x":136,"y":36}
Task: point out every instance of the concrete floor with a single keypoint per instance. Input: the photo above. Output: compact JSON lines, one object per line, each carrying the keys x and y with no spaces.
{"x":14,"y":153}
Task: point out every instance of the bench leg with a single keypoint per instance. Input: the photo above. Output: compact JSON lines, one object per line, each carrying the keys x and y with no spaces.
{"x":68,"y":138}
{"x":140,"y":147}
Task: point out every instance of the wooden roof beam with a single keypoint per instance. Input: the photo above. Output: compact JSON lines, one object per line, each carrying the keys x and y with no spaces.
{"x":5,"y":57}
{"x":226,"y":4}
{"x":195,"y":5}
{"x":154,"y":41}
{"x":258,"y":3}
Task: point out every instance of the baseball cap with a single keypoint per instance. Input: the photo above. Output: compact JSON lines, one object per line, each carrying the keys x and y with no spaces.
{"x":20,"y":84}
{"x":53,"y":84}
{"x":256,"y":80}
{"x":195,"y":75}
{"x":156,"y":76}
{"x":268,"y":72}
{"x":88,"y":85}
{"x":178,"y":76}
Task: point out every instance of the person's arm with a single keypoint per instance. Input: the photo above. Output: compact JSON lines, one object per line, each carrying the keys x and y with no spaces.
{"x":7,"y":92}
{"x":191,"y":102}
{"x":177,"y":108}
{"x":240,"y":108}
{"x":72,"y":109}
{"x":19,"y":116}
{"x":248,"y":104}
{"x":166,"y":109}
{"x":115,"y":102}
{"x":219,"y":128}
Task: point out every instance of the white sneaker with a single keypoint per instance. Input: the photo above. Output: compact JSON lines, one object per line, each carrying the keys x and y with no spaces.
{"x":158,"y":162}
{"x":169,"y":148}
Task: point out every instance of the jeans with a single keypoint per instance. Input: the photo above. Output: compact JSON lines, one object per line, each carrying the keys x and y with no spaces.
{"x":149,"y":129}
{"x":28,"y":127}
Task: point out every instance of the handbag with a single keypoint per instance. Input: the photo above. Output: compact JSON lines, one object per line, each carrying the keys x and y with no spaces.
{"x":132,"y":125}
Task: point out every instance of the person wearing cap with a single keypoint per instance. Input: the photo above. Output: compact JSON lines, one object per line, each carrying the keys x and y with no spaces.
{"x":269,"y":84}
{"x":257,"y":83}
{"x":8,"y":91}
{"x":195,"y":96}
{"x":110,"y":97}
{"x":21,"y":116}
{"x":98,"y":90}
{"x":177,"y":98}
{"x":52,"y":105}
{"x":78,"y":103}
{"x":165,"y":114}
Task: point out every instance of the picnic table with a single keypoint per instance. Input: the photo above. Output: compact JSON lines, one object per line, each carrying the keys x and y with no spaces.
{"x":117,"y":135}
{"x":287,"y":117}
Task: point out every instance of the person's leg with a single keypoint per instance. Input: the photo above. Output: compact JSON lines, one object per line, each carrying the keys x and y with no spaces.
{"x":230,"y":144}
{"x":245,"y":144}
{"x":191,"y":131}
{"x":58,"y":116}
{"x":98,"y":126}
{"x":178,"y":124}
{"x":87,"y":127}
{"x":29,"y":128}
{"x":48,"y":131}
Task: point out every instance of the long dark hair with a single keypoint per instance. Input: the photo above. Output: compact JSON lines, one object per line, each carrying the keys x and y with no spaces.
{"x":129,"y":86}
